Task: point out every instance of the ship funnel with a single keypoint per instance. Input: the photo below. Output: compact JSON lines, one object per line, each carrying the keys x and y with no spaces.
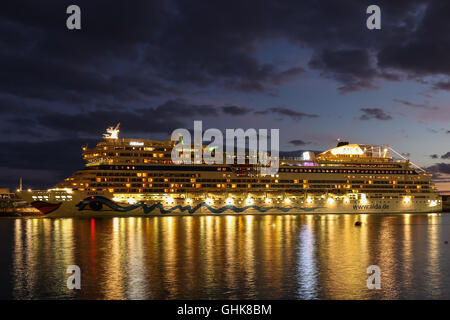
{"x":342,"y":143}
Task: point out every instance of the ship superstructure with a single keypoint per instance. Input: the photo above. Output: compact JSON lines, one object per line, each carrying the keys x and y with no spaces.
{"x":138,"y":177}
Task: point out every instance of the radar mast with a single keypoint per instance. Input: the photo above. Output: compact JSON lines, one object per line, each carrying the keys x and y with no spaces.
{"x":112,"y":132}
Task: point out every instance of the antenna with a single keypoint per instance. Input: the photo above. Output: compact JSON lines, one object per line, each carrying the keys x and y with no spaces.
{"x":20,"y":184}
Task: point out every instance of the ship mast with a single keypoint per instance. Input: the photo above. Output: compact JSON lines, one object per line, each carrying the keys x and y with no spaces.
{"x":112,"y":132}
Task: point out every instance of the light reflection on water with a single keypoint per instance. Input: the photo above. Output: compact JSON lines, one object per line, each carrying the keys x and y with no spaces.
{"x":225,"y":257}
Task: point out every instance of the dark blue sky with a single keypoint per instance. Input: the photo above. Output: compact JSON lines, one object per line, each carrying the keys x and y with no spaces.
{"x":310,"y":68}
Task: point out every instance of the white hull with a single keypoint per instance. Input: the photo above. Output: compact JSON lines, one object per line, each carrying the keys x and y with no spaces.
{"x":80,"y":204}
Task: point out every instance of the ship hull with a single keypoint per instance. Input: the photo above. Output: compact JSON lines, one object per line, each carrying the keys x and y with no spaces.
{"x":85,"y":205}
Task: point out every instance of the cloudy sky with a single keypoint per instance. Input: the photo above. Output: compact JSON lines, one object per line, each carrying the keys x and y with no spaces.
{"x":310,"y":68}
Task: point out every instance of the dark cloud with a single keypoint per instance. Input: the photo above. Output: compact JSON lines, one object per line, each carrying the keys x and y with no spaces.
{"x":350,"y":67}
{"x":439,"y":168}
{"x":434,"y":156}
{"x":424,"y":49}
{"x":151,"y":48}
{"x":442,"y":85}
{"x":164,"y":118}
{"x":415,"y":105}
{"x":374,"y":113}
{"x":295,"y":115}
{"x":13,"y":105}
{"x":41,"y":164}
{"x":236,"y":110}
{"x":298,"y":142}
{"x":446,"y":156}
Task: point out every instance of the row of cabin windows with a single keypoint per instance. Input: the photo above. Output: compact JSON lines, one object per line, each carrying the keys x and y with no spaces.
{"x":284,"y":170}
{"x":267,"y":186}
{"x":168,"y":189}
{"x":360,"y":171}
{"x":177,"y":178}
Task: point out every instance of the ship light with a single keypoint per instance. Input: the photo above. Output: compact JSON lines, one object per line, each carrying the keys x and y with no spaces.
{"x":209,"y":201}
{"x":309,"y":200}
{"x":229,"y":201}
{"x":287,"y":201}
{"x":249,"y":201}
{"x":433,"y":203}
{"x":406,"y":199}
{"x":330,"y":200}
{"x":131,"y":200}
{"x":268,"y":200}
{"x":169,"y":200}
{"x":188,"y":200}
{"x":363,"y":198}
{"x":116,"y":199}
{"x":346,"y":200}
{"x":29,"y":190}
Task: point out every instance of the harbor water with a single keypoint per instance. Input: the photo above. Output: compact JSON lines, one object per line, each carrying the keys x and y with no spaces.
{"x":227,"y":257}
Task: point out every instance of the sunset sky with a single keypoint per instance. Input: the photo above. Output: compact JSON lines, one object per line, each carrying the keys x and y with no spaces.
{"x":310,"y":68}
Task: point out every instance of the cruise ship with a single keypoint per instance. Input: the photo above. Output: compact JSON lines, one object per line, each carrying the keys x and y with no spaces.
{"x":136,"y":177}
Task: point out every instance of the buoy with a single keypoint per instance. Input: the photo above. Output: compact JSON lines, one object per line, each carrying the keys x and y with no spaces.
{"x":357,"y":223}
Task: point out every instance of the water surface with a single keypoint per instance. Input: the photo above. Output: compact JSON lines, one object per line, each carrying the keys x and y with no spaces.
{"x":227,"y":257}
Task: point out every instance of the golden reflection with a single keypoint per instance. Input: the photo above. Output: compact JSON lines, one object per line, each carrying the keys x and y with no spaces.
{"x":208,"y":250}
{"x":37,"y":242}
{"x":249,"y":254}
{"x":407,"y":252}
{"x":190,"y":250}
{"x":135,"y":268}
{"x":113,"y":282}
{"x":387,"y":247}
{"x":307,"y":268}
{"x":169,"y":254}
{"x":230,"y":251}
{"x":230,"y":256}
{"x":433,"y":266}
